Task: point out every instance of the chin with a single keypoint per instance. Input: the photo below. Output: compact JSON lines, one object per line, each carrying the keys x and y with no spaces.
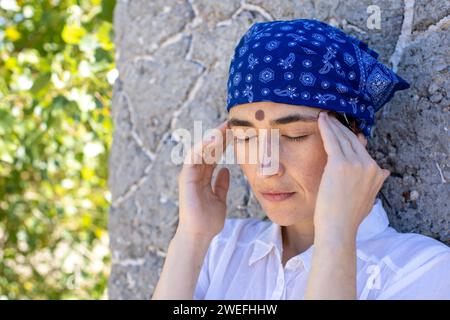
{"x":282,"y":221}
{"x":288,"y":211}
{"x":284,"y":215}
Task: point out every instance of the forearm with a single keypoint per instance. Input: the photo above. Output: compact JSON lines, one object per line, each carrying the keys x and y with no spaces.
{"x":182,"y":267}
{"x":333,"y":268}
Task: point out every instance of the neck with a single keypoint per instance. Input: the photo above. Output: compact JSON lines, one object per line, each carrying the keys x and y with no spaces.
{"x":298,"y":237}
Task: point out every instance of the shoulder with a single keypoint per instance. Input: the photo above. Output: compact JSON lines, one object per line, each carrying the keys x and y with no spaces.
{"x":411,"y":265}
{"x":405,"y":250}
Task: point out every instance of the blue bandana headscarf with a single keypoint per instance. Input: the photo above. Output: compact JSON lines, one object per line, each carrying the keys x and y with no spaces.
{"x":310,"y":63}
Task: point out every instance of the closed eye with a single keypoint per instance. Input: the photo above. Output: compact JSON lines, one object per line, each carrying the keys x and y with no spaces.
{"x":299,"y":138}
{"x":244,"y":140}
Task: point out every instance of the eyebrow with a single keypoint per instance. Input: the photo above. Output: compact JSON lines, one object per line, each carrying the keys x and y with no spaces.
{"x":234,"y":122}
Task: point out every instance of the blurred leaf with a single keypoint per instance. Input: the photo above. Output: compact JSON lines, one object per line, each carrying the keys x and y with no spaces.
{"x":41,"y":83}
{"x":55,"y":135}
{"x":11,"y":63}
{"x":72,"y":34}
{"x":12,"y":33}
{"x":107,"y":10}
{"x":104,"y":35}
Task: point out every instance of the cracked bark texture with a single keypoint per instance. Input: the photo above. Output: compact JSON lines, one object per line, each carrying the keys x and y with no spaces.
{"x":173,"y":59}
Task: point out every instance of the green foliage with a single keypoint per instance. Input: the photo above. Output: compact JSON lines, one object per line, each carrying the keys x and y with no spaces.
{"x":56,"y":70}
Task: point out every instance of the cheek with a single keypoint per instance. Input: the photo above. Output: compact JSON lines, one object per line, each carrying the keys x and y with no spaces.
{"x":305,"y":161}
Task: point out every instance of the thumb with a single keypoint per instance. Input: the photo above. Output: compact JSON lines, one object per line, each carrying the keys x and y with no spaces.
{"x":222,"y":184}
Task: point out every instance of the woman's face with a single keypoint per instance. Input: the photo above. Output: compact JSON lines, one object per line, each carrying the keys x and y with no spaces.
{"x":301,"y":160}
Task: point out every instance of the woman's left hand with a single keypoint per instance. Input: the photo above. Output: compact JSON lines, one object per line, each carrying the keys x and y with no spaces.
{"x":350,"y":181}
{"x":347,"y":191}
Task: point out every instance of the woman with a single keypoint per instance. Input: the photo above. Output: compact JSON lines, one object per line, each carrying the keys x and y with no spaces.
{"x":317,"y":89}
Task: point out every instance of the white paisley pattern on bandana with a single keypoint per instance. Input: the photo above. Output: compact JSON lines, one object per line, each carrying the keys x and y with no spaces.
{"x":308,"y":62}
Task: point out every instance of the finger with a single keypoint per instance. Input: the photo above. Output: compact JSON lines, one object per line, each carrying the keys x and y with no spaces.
{"x":341,"y":140}
{"x":222,"y":184}
{"x":329,"y":139}
{"x":344,"y":143}
{"x":356,"y":145}
{"x":222,"y":136}
{"x":194,"y":168}
{"x":214,"y":151}
{"x":197,"y":152}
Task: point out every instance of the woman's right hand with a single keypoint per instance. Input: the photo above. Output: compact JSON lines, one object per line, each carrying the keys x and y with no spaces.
{"x":202,"y":205}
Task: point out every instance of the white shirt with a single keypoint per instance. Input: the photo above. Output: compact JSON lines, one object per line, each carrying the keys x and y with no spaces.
{"x":243,"y":262}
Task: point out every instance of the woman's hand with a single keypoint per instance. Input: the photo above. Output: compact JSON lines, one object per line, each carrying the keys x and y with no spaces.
{"x":202,"y":204}
{"x":350,"y":181}
{"x":347,"y":191}
{"x":202,"y":216}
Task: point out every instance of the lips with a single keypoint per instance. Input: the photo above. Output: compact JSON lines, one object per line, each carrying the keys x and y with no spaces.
{"x":277,"y":196}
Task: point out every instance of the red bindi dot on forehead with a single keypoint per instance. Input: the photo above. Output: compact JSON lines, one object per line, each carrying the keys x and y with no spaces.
{"x":259,"y":115}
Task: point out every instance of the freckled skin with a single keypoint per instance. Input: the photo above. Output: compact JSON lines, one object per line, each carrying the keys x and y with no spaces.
{"x":259,"y":115}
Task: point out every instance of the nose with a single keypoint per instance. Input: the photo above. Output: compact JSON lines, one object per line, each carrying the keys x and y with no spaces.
{"x":269,"y":155}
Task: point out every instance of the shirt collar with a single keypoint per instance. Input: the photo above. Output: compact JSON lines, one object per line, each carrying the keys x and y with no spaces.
{"x":270,"y":238}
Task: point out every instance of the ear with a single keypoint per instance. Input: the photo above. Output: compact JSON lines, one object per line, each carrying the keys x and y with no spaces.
{"x":362,"y":138}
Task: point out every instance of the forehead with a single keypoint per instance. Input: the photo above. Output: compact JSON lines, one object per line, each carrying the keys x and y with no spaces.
{"x":270,"y":110}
